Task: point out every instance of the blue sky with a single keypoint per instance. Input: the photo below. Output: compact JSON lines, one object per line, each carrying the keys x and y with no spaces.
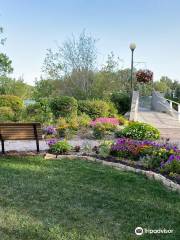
{"x":32,"y":26}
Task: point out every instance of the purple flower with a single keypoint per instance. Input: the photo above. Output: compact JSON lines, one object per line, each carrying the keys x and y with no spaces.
{"x":49,"y":130}
{"x":52,"y":141}
{"x":170,"y":159}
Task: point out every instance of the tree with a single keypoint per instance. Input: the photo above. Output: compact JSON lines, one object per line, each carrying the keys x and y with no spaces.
{"x":9,"y":86}
{"x":5,"y":65}
{"x":44,"y":88}
{"x":74,"y":63}
{"x":5,"y":62}
{"x":53,"y":66}
{"x":79,"y":54}
{"x":74,"y":55}
{"x":112,"y":63}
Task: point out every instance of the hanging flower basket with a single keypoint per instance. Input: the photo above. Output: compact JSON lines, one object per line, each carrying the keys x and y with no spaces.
{"x":144,"y":76}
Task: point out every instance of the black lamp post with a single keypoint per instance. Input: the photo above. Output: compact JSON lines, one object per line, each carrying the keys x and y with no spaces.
{"x":132,"y":46}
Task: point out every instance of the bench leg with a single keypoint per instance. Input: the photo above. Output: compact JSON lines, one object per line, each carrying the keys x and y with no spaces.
{"x":37,"y":145}
{"x":36,"y":137}
{"x":2,"y":144}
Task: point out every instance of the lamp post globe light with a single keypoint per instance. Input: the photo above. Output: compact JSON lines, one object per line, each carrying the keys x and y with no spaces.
{"x":132,"y":46}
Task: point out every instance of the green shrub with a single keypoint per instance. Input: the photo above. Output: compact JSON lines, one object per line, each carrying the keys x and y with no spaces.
{"x":64,"y":106}
{"x":121,"y":101}
{"x":6,"y":114}
{"x":73,"y":123}
{"x":60,"y":147}
{"x":83,"y":120}
{"x":99,"y":131}
{"x":105,"y":148}
{"x":38,"y":112}
{"x":112,"y":112}
{"x":139,"y":131}
{"x":62,"y":127}
{"x":14,"y":102}
{"x":122,"y":120}
{"x":96,"y":108}
{"x":172,"y":167}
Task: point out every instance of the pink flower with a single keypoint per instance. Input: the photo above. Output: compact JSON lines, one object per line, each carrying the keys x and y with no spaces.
{"x":113,"y":121}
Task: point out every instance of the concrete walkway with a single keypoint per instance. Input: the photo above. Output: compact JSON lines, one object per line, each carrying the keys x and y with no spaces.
{"x":168,"y":125}
{"x":23,"y":146}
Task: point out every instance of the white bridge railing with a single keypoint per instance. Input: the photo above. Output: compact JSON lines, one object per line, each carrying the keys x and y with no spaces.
{"x":134,"y":106}
{"x":177,"y":110}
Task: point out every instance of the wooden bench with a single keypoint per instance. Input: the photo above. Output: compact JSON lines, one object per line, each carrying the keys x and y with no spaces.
{"x":20,"y":131}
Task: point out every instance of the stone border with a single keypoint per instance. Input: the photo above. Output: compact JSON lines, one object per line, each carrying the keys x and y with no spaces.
{"x":149,"y":174}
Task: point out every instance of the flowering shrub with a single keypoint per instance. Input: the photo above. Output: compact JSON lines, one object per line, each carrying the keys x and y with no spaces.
{"x":129,"y":148}
{"x":103,"y":126}
{"x":50,"y":130}
{"x":172,"y":165}
{"x":144,"y":76}
{"x":139,"y":131}
{"x":112,"y":121}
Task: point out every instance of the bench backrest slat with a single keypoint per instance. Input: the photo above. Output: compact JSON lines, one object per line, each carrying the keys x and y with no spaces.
{"x":20,"y":131}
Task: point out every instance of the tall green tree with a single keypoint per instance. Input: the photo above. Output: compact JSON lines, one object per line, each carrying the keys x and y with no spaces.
{"x":9,"y":86}
{"x":5,"y":62}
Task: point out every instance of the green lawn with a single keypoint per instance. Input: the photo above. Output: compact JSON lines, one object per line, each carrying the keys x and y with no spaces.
{"x":67,"y":200}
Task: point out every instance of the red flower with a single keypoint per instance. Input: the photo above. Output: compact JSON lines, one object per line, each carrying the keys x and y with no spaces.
{"x":144,"y":76}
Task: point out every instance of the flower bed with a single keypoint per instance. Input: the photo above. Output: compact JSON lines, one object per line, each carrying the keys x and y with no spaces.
{"x":161,"y":157}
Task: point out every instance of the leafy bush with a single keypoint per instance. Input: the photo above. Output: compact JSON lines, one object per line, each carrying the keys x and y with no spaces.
{"x":105,"y":148}
{"x":14,"y":102}
{"x":34,"y":109}
{"x":96,"y":108}
{"x":62,"y":127}
{"x":64,"y":106}
{"x":38,"y":112}
{"x":99,"y":131}
{"x":139,"y":131}
{"x":122,"y":120}
{"x":73,"y":123}
{"x":83,"y":120}
{"x":60,"y":147}
{"x":121,"y":101}
{"x":6,"y":114}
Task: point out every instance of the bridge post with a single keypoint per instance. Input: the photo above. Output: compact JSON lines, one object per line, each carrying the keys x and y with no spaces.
{"x":179,"y":112}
